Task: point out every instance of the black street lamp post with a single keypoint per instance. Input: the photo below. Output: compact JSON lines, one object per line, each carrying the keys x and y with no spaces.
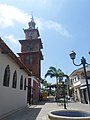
{"x":83,"y":62}
{"x":64,"y":96}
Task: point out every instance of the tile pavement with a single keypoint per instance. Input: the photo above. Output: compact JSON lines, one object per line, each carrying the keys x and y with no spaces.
{"x":41,"y":110}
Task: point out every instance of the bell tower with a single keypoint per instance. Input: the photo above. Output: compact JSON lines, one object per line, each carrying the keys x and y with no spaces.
{"x":31,"y":56}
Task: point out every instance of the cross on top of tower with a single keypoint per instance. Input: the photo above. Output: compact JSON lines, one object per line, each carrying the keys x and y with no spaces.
{"x":32,"y":23}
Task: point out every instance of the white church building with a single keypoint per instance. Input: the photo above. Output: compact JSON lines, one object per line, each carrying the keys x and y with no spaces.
{"x":13,"y":81}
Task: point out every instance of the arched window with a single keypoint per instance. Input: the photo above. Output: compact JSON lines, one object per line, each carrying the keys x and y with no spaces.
{"x":14,"y":83}
{"x":25,"y":84}
{"x":6,"y":76}
{"x":21,"y":82}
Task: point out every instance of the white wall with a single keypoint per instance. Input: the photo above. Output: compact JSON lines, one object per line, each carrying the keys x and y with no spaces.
{"x":11,"y":98}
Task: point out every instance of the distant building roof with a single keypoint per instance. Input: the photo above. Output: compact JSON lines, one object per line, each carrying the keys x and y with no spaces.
{"x":79,"y":70}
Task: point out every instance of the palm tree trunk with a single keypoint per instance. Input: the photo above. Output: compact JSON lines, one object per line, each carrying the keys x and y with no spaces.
{"x":57,"y":89}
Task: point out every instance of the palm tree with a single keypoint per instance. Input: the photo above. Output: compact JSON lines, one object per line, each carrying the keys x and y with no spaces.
{"x":57,"y":73}
{"x":67,"y":83}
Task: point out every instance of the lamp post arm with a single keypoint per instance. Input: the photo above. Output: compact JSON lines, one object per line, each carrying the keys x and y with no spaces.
{"x":83,"y":61}
{"x":87,"y":63}
{"x":76,"y":64}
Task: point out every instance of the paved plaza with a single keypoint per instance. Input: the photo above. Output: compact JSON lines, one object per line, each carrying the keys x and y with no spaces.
{"x":41,"y":110}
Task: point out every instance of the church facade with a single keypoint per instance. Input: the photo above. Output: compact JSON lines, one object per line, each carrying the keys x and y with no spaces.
{"x":13,"y":81}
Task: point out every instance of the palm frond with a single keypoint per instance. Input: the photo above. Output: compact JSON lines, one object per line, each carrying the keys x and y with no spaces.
{"x":52,"y":68}
{"x":49,"y":71}
{"x":65,"y":75}
{"x":52,"y":75}
{"x":48,"y":74}
{"x":59,"y":70}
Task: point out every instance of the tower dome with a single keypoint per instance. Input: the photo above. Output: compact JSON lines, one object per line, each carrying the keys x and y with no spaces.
{"x":32,"y":23}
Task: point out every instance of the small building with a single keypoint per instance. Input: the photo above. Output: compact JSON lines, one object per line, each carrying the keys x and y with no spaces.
{"x":13,"y":81}
{"x":78,"y":88}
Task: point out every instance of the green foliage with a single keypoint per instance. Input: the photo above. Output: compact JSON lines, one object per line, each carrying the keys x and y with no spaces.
{"x":59,"y":75}
{"x":53,"y":72}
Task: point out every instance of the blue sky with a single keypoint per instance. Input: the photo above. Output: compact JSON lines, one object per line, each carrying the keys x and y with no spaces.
{"x":64,"y":25}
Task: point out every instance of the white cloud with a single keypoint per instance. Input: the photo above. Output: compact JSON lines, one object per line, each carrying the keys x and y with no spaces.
{"x":53,"y":25}
{"x":12,"y":39}
{"x":9,"y":15}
